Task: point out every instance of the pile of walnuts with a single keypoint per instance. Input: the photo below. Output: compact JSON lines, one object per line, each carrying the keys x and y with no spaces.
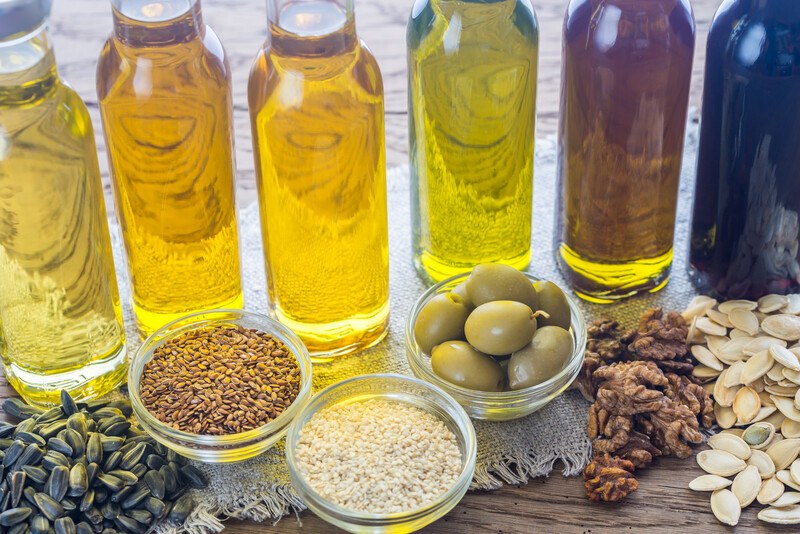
{"x":646,"y":402}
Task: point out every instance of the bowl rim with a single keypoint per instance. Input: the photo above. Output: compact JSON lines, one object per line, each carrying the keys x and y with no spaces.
{"x":270,"y":326}
{"x":466,"y":435}
{"x":415,"y":355}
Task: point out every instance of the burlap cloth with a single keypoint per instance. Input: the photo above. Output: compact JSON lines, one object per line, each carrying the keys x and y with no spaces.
{"x":508,"y":452}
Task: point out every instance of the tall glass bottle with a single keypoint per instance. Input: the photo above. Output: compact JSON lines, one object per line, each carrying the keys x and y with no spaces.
{"x":627,"y":66}
{"x":747,"y":199}
{"x":472,"y":108}
{"x":60,"y":316}
{"x":316,"y":110}
{"x":164,"y":86}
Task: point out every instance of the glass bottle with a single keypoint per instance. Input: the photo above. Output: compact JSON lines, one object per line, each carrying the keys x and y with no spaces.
{"x":627,"y":66}
{"x":472,"y":108}
{"x":316,"y":111}
{"x":747,"y":198}
{"x":164,"y":85}
{"x":60,"y":315}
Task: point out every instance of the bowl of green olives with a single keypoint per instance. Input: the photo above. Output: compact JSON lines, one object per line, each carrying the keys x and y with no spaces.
{"x":501,"y":342}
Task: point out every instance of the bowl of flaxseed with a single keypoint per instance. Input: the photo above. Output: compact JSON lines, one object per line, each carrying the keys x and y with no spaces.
{"x":220,"y":386}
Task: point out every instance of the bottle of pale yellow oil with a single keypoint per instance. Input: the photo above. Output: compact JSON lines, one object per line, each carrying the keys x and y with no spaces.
{"x":165,"y":97}
{"x":316,"y":110}
{"x":472,"y":105}
{"x":60,"y":316}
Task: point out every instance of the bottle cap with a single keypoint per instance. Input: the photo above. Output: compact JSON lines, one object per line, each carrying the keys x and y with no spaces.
{"x":20,"y":17}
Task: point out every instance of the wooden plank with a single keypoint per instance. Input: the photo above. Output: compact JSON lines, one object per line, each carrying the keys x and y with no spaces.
{"x":554,"y":504}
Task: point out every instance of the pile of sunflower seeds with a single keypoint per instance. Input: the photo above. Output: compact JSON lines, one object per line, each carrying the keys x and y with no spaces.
{"x":82,"y":467}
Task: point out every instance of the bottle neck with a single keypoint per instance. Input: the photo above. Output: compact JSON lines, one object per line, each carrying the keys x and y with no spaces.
{"x":156,"y":23}
{"x":27,"y":68}
{"x":311,"y":28}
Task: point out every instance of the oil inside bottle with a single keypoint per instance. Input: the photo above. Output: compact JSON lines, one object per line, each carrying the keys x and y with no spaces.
{"x":316,"y":105}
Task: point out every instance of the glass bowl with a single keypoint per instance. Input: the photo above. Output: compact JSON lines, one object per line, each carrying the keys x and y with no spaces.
{"x":503,"y":405}
{"x":233,"y":447}
{"x":397,"y":388}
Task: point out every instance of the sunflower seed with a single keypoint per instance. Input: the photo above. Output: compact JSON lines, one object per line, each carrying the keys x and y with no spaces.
{"x":110,"y":510}
{"x":87,"y":501}
{"x":52,"y":429}
{"x":725,"y":507}
{"x":94,"y":448}
{"x":78,"y":479}
{"x":155,"y":461}
{"x":116,"y":429}
{"x":64,"y":525}
{"x":126,"y":524}
{"x":184,"y":506}
{"x":17,"y":487}
{"x":67,"y":403}
{"x":58,"y":483}
{"x":19,"y":409}
{"x":13,"y":452}
{"x":110,"y":481}
{"x":157,"y":507}
{"x":39,"y":525}
{"x":709,"y":483}
{"x":124,"y":406}
{"x":193,"y":477}
{"x":83,"y":528}
{"x":746,"y":485}
{"x":77,"y":422}
{"x":30,"y":456}
{"x":53,"y":459}
{"x":771,"y":490}
{"x":155,"y":482}
{"x":122,"y":494}
{"x":127,"y":478}
{"x":61,"y":446}
{"x":49,"y":506}
{"x":781,"y":516}
{"x":133,"y":457}
{"x":31,"y":438}
{"x":139,"y":470}
{"x":93,"y":515}
{"x":14,"y":515}
{"x":136,"y":497}
{"x":112,"y":461}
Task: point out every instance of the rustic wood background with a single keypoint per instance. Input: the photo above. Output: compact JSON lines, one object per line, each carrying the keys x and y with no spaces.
{"x":555,"y":504}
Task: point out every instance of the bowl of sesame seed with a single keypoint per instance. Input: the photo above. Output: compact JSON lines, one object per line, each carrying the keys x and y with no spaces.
{"x":381,"y":453}
{"x":220,"y":385}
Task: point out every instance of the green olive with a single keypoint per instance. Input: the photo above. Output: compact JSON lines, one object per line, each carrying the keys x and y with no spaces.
{"x":553,"y":301}
{"x":494,"y":281}
{"x":460,"y":364}
{"x":441,"y":319}
{"x":461,"y":291}
{"x":542,"y":359}
{"x":500,"y":327}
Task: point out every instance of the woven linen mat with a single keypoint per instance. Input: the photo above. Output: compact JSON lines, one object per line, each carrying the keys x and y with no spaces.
{"x":508,"y":452}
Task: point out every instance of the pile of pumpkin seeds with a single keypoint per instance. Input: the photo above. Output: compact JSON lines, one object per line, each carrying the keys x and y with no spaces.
{"x":82,"y":467}
{"x":749,"y":361}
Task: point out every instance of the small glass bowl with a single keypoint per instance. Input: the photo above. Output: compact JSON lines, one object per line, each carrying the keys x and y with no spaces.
{"x":233,"y":447}
{"x":397,"y":388}
{"x":503,"y":405}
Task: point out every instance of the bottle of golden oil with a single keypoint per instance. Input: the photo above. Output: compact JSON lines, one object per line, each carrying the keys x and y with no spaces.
{"x":165,"y":97}
{"x":472,"y":105}
{"x":316,"y":110}
{"x":60,"y":316}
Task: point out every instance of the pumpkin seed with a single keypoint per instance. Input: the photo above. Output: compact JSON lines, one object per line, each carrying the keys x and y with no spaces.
{"x":784,"y":357}
{"x":789,"y":515}
{"x":788,"y":498}
{"x":730,"y":443}
{"x":772,"y":303}
{"x":781,"y":391}
{"x":757,"y":366}
{"x":744,"y":320}
{"x":705,"y":356}
{"x":782,"y":326}
{"x":746,"y":405}
{"x":746,"y":485}
{"x":724,"y":415}
{"x":709,"y":483}
{"x":761,"y":343}
{"x":771,"y":490}
{"x":725,"y":507}
{"x":787,"y":407}
{"x":794,"y":470}
{"x":790,"y":428}
{"x":699,"y":305}
{"x":786,"y":477}
{"x":784,"y":452}
{"x":758,"y":435}
{"x":719,"y":462}
{"x":762,"y":461}
{"x":736,"y":333}
{"x":729,"y":305}
{"x":712,"y":328}
{"x":724,"y":395}
{"x":719,"y":318}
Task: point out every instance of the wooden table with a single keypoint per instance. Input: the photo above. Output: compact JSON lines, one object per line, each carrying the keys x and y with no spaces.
{"x":555,"y":504}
